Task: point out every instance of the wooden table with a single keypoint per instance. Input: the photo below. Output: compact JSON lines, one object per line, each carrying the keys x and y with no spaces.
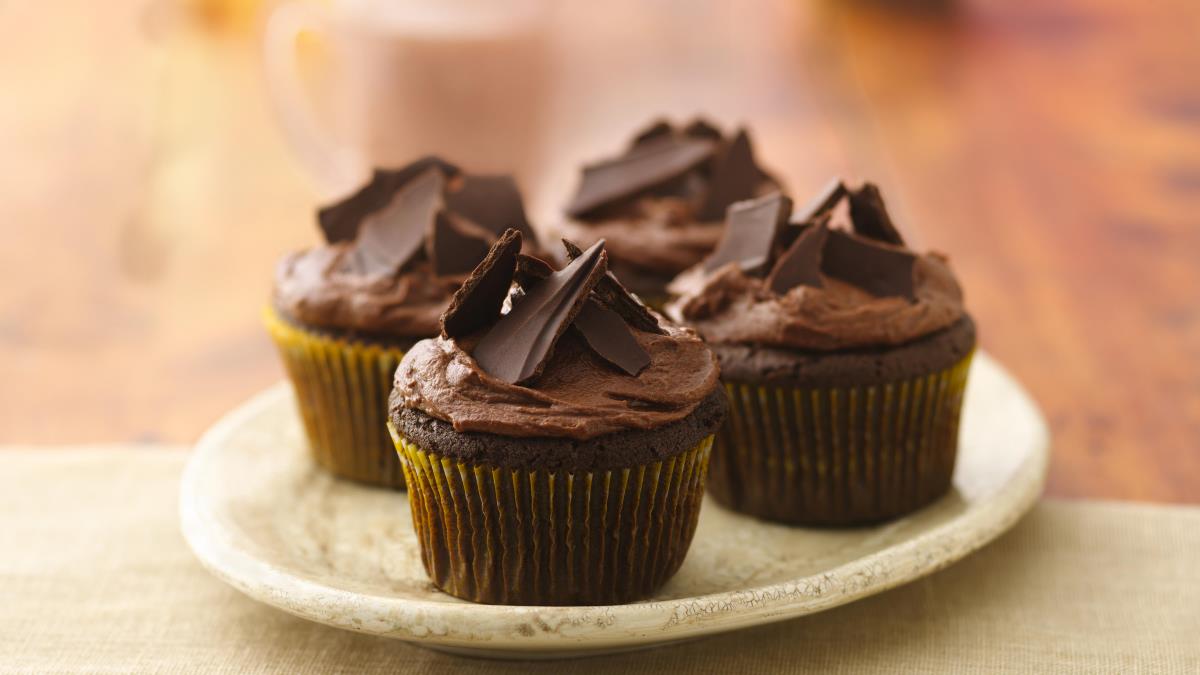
{"x":1052,"y":149}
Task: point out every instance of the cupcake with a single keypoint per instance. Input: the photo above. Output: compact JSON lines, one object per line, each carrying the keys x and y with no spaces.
{"x":844,"y":355}
{"x":555,"y":453}
{"x":343,"y":314}
{"x":660,"y":205}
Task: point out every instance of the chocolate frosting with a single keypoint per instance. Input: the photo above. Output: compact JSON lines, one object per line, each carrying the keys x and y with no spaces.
{"x":424,"y":254}
{"x":663,"y":227}
{"x":651,"y":233}
{"x":537,"y":370}
{"x":578,"y":395}
{"x":733,"y":306}
{"x":317,"y":288}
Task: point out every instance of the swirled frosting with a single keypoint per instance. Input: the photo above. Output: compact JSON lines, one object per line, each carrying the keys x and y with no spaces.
{"x":577,"y":396}
{"x":731,"y":306}
{"x":317,"y":288}
{"x":656,"y":235}
{"x":805,"y":286}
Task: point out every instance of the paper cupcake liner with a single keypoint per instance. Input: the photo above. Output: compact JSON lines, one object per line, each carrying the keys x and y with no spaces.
{"x":534,"y":537}
{"x":839,"y":455}
{"x":342,"y":389}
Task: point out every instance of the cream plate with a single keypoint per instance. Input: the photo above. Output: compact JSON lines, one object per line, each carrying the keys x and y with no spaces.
{"x":261,"y":517}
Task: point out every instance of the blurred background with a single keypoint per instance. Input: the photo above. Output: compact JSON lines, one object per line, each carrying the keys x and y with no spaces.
{"x":158,"y":156}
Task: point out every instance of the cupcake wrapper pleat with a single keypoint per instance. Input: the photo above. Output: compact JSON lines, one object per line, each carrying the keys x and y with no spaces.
{"x":838,"y":455}
{"x":535,"y":537}
{"x":342,"y":389}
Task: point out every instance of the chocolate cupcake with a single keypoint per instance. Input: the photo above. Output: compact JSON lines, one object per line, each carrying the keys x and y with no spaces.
{"x":555,"y":453}
{"x":661,"y":204}
{"x":343,"y":314}
{"x":844,"y":355}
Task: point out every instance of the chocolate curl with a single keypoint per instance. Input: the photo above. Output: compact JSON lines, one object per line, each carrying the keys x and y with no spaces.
{"x":752,"y":234}
{"x":478,"y":301}
{"x":879,"y":269}
{"x":870,"y":216}
{"x":341,"y":221}
{"x":612,"y":293}
{"x":651,"y":163}
{"x":391,"y":237}
{"x":800,"y":264}
{"x":517,"y":347}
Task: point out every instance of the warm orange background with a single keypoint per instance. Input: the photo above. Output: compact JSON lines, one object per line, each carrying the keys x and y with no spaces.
{"x":1052,"y":149}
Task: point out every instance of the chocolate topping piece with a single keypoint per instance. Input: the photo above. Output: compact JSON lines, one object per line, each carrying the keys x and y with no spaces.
{"x":735,"y":177}
{"x":392,"y":236}
{"x":515,"y":349}
{"x":606,"y":332}
{"x":823,"y":202}
{"x":644,"y":166}
{"x":870,"y":216}
{"x":613,"y":293}
{"x":880,"y":270}
{"x":789,"y":234}
{"x":752,"y":231}
{"x":656,"y":130}
{"x":456,"y":245}
{"x":530,"y":270}
{"x":702,"y":128}
{"x":492,"y":202}
{"x":341,"y":221}
{"x":478,"y":301}
{"x":869,"y":294}
{"x":800,"y":264}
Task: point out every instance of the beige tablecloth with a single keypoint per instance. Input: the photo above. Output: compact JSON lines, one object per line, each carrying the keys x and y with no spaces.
{"x":94,"y":576}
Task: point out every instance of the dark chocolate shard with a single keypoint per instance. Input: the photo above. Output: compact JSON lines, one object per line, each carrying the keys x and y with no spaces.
{"x":657,"y":130}
{"x":690,"y":187}
{"x":880,"y":270}
{"x":795,"y":228}
{"x":392,"y":236}
{"x":800,"y":264}
{"x":753,"y":229}
{"x":341,"y":221}
{"x":530,"y":270}
{"x":515,"y":349}
{"x":478,"y":301}
{"x":822,"y":203}
{"x":456,"y":245}
{"x":735,"y":177}
{"x":642,"y":168}
{"x":492,"y":202}
{"x":870,"y":216}
{"x":610,"y":291}
{"x":608,"y":335}
{"x":702,"y":128}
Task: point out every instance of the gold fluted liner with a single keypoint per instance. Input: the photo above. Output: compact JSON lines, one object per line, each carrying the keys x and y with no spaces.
{"x":522,"y":537}
{"x":342,"y":389}
{"x":841,"y":455}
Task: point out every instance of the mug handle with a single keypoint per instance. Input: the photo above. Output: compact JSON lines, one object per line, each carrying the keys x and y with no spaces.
{"x":335,"y":167}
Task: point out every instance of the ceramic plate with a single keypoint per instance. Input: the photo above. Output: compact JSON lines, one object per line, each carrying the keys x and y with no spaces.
{"x":264,"y":519}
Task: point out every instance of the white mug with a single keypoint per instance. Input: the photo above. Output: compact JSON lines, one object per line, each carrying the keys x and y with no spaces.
{"x":463,"y":79}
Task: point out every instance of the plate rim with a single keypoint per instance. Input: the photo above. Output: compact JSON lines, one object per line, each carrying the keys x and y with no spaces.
{"x":643,"y":623}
